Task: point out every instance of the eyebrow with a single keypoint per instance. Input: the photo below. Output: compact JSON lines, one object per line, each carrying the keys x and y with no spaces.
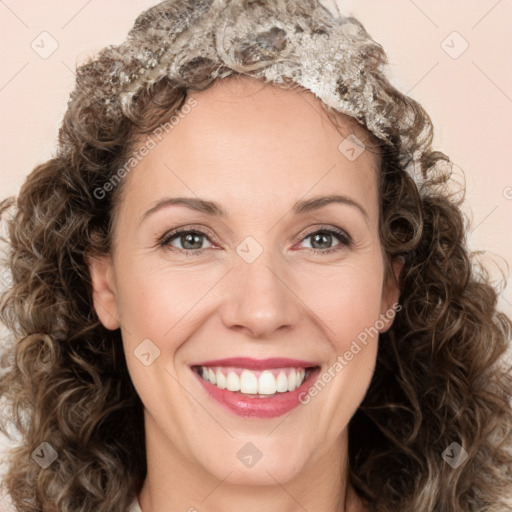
{"x":300,"y":207}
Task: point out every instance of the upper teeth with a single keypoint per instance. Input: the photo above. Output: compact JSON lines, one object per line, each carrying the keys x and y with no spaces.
{"x":266,"y":382}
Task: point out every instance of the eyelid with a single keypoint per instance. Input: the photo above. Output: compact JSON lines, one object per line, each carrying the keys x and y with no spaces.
{"x":198,"y":228}
{"x":327,"y":228}
{"x":343,"y":237}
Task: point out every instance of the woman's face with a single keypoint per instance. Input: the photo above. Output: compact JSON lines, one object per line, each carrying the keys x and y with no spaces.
{"x":283,"y":286}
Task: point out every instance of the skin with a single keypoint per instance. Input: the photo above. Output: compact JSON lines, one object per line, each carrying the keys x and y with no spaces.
{"x":255,"y":149}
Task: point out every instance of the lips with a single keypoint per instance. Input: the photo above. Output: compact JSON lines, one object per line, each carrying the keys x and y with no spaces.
{"x":262,"y":388}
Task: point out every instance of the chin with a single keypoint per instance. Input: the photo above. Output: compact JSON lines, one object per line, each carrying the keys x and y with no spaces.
{"x":255,"y":462}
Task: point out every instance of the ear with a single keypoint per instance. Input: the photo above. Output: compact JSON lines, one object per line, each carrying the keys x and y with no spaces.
{"x":391,"y":295}
{"x":104,"y":291}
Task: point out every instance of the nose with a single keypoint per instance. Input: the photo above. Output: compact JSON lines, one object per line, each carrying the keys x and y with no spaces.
{"x":260,"y":298}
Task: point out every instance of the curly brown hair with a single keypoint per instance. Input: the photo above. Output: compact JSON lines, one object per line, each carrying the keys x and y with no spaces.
{"x":441,"y":376}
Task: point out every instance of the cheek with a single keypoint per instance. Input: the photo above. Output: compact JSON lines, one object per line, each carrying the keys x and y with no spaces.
{"x":347,"y":300}
{"x":156,"y":298}
{"x":159,"y":302}
{"x":347,"y":304}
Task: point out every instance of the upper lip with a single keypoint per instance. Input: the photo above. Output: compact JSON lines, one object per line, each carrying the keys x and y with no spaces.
{"x":259,"y":364}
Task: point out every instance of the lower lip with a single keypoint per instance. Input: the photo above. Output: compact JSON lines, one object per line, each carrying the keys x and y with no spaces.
{"x":254,"y":407}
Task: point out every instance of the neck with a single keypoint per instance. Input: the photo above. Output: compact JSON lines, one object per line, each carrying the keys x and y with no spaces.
{"x":175,"y":482}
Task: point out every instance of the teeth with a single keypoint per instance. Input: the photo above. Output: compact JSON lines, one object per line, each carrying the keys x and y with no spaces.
{"x":232,"y":382}
{"x":282,"y":382}
{"x":266,"y":382}
{"x":292,"y":381}
{"x":248,"y":382}
{"x":221,"y":380}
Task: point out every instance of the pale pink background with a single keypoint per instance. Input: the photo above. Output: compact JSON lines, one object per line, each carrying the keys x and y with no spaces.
{"x":468,"y":98}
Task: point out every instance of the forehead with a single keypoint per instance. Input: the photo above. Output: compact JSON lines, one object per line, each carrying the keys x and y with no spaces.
{"x":251,"y":139}
{"x":253,"y":104}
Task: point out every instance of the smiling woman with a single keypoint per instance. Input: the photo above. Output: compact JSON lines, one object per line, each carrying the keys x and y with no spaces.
{"x":242,"y":283}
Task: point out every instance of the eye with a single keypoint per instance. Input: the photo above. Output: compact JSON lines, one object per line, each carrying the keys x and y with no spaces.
{"x":185,"y":239}
{"x":190,"y":241}
{"x":322,"y":240}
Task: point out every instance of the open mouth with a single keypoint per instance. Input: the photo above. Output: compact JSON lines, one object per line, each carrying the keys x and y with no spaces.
{"x":256,"y":388}
{"x":255,"y":383}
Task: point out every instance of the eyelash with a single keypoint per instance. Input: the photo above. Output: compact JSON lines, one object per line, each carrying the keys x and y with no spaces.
{"x":341,"y":236}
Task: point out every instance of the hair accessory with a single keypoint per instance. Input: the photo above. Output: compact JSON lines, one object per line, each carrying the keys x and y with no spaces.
{"x":280,"y":41}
